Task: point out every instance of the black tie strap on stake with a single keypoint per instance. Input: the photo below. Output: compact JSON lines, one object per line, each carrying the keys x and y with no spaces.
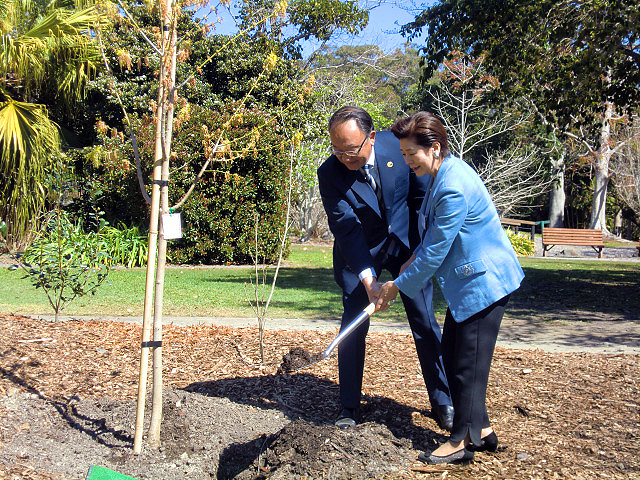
{"x":162,"y":183}
{"x":152,"y":344}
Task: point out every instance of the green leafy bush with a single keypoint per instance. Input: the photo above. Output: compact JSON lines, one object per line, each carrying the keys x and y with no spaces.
{"x":64,"y":261}
{"x":522,"y":244}
{"x":250,"y":176}
{"x":124,"y":246}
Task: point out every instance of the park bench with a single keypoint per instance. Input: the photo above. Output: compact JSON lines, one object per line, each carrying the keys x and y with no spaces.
{"x":518,"y":224}
{"x":572,"y":236}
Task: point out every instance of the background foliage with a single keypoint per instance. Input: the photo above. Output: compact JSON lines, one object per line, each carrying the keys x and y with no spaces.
{"x":251,"y":95}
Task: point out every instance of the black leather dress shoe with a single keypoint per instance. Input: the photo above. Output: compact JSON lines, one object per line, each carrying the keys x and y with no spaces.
{"x":488,"y":443}
{"x":443,"y":415}
{"x":347,"y":418}
{"x":461,"y":457}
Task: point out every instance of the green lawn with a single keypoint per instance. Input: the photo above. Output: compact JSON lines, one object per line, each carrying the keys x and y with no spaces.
{"x":306,"y":289}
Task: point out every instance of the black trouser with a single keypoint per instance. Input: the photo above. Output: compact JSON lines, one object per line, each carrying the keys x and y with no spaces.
{"x":426,"y":335}
{"x":467,"y":349}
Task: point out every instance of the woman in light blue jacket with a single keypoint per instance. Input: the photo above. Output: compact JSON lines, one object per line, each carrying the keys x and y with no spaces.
{"x":465,"y":248}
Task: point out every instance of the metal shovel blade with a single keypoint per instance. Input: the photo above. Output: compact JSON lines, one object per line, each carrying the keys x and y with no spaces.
{"x":355,"y":323}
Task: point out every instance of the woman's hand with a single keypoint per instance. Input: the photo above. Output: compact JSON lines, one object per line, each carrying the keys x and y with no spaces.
{"x":387,"y":296}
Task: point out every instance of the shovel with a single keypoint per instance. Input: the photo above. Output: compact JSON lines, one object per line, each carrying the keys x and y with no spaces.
{"x":355,"y":323}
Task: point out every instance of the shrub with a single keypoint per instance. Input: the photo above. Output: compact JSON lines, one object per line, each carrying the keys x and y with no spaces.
{"x":522,"y":244}
{"x":125,"y":246}
{"x":256,"y":110}
{"x":64,"y":261}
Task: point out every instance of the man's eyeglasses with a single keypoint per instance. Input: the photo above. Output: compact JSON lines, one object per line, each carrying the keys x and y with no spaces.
{"x":350,"y":153}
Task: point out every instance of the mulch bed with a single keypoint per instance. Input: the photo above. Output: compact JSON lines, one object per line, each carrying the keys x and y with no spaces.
{"x":558,"y":415}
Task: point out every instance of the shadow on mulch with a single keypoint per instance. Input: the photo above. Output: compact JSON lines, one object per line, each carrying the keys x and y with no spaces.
{"x":310,"y":399}
{"x":95,"y":428}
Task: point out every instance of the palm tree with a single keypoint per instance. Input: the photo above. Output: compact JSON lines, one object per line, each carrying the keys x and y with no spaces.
{"x":47,"y":55}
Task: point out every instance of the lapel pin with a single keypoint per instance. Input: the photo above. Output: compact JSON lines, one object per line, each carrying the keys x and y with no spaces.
{"x":389,"y":164}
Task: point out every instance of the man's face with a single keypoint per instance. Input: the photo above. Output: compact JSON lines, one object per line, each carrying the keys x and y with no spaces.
{"x":347,"y":139}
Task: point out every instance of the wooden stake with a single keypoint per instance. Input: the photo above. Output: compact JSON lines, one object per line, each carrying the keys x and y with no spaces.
{"x":148,"y":292}
{"x":166,"y":123}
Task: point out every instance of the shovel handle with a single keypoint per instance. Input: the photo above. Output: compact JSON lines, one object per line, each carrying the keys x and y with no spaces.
{"x":355,"y":323}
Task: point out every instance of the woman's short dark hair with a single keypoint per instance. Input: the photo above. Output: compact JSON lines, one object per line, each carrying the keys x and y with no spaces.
{"x":360,"y":115}
{"x":424,"y":128}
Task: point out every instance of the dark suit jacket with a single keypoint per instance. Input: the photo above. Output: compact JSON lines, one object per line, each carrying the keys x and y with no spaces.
{"x":360,"y":227}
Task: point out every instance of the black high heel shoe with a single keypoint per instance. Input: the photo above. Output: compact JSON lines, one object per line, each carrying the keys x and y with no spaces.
{"x":488,"y":443}
{"x":463,"y":456}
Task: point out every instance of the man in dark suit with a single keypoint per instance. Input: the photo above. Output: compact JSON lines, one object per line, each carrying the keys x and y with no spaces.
{"x":371,"y":198}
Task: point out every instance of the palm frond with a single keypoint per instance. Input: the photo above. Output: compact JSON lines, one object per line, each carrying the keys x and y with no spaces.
{"x":61,"y":42}
{"x":28,"y":139}
{"x":64,"y":23}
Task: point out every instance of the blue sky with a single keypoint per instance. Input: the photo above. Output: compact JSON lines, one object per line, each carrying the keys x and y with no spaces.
{"x":385,"y":21}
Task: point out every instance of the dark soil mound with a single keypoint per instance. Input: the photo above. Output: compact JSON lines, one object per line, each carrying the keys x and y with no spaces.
{"x":304,"y":450}
{"x":297,"y":358}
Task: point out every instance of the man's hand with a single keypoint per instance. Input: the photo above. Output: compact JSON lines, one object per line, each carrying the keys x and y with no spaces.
{"x":387,"y":296}
{"x":406,"y":264}
{"x":373,"y":288}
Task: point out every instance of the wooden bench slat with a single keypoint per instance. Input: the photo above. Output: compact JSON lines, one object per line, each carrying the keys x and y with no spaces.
{"x":576,"y":239}
{"x":572,"y":236}
{"x":569,"y":231}
{"x":515,"y":221}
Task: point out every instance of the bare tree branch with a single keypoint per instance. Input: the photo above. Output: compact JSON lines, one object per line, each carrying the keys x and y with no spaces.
{"x":514,"y":178}
{"x":134,"y":143}
{"x":625,"y":165}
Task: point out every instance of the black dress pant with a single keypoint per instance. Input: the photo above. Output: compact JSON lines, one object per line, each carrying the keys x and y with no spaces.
{"x":426,"y":335}
{"x":467,"y":350}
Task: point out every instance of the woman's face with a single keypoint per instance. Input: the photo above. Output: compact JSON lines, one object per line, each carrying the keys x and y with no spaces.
{"x":422,"y":160}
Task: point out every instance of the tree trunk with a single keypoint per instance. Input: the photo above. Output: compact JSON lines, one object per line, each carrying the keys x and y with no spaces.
{"x":599,"y":204}
{"x":165,"y":124}
{"x":557,"y":195}
{"x":148,"y":292}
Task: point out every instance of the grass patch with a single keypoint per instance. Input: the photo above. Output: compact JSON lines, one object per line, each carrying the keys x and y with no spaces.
{"x":306,"y":289}
{"x":588,"y":285}
{"x":614,"y":243}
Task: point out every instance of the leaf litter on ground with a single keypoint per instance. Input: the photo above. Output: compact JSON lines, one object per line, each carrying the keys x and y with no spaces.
{"x":67,"y":401}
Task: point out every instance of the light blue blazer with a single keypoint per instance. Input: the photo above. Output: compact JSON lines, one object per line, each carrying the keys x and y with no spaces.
{"x":463,"y":244}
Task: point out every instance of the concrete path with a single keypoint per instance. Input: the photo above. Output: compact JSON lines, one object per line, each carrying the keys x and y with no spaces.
{"x":610,"y":336}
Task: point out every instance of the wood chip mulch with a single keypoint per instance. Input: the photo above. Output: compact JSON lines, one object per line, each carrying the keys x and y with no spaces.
{"x":558,"y":415}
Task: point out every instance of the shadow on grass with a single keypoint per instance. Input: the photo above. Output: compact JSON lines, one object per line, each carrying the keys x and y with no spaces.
{"x":576,"y":309}
{"x":314,"y":293}
{"x":611,"y":292}
{"x":563,"y":288}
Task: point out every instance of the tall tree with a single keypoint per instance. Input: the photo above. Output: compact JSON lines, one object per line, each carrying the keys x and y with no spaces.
{"x":486,"y":130}
{"x":48,"y":54}
{"x":384,"y":77}
{"x":290,"y":22}
{"x":578,"y":60}
{"x":626,"y":166}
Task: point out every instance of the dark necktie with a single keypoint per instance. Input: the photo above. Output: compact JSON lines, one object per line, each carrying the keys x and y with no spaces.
{"x":369,"y":178}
